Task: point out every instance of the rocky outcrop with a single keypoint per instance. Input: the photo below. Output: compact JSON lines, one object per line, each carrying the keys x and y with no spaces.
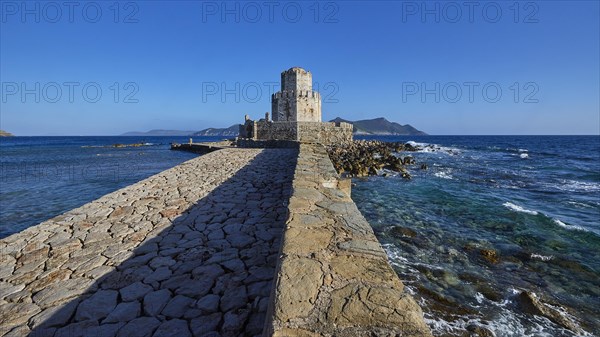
{"x":5,"y":134}
{"x":333,"y":277}
{"x":531,"y":304}
{"x":368,"y":157}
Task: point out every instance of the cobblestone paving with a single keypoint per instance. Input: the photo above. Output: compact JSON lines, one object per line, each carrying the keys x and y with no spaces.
{"x":190,"y":251}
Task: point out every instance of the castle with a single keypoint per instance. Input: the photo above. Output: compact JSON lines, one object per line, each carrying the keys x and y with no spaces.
{"x":296,"y":112}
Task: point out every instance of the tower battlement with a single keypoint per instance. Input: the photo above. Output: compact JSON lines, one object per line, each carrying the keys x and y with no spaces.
{"x":296,"y":102}
{"x":291,"y":94}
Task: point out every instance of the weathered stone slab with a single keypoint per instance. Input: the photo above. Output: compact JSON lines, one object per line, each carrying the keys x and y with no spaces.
{"x":142,"y":327}
{"x":54,"y":316}
{"x":62,"y":291}
{"x":124,"y":312}
{"x":135,"y":291}
{"x":156,"y":301}
{"x":98,"y":306}
{"x":14,"y":314}
{"x":300,"y":280}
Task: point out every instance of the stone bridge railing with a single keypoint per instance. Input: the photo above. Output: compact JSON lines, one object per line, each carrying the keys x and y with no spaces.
{"x":333,"y":277}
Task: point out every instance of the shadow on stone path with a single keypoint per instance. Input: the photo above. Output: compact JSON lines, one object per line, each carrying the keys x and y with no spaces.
{"x":207,"y":271}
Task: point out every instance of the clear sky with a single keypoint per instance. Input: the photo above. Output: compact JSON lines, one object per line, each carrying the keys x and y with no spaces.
{"x":444,"y":67}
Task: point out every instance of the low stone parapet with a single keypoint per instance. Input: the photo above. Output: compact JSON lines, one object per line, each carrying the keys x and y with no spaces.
{"x":333,"y":277}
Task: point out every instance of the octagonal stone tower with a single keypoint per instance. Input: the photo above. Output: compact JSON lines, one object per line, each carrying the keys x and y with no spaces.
{"x":296,"y":102}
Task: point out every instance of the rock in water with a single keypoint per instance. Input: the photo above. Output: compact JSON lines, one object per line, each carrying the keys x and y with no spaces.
{"x":367,"y":157}
{"x":480,"y":331}
{"x":490,"y":255}
{"x":399,"y":232}
{"x":529,"y":303}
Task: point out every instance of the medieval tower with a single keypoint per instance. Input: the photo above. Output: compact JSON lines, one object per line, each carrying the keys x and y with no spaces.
{"x":296,"y":102}
{"x":296,"y":111}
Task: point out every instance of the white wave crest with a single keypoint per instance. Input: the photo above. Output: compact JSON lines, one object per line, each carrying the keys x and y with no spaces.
{"x":579,"y":204}
{"x":431,"y":148}
{"x":575,"y":185}
{"x":569,"y":227}
{"x":524,"y":155}
{"x":542,"y":257}
{"x":444,"y":175}
{"x":518,"y":208}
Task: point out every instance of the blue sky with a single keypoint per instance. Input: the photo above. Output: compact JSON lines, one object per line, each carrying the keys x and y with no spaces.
{"x":190,"y":65}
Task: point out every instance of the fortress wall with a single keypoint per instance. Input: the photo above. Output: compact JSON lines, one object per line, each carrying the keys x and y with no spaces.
{"x":276,"y":130}
{"x":324,"y":133}
{"x":333,"y":277}
{"x":305,"y":132}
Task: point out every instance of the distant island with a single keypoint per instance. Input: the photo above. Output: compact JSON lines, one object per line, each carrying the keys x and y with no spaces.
{"x":5,"y":134}
{"x":378,"y":127}
{"x":231,"y":131}
{"x":381,"y":127}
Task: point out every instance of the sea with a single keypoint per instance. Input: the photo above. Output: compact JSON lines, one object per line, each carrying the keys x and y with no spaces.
{"x":532,"y":201}
{"x":41,"y":177}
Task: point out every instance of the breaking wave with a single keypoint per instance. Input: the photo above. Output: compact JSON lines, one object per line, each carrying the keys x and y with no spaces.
{"x":569,"y":227}
{"x":518,"y":208}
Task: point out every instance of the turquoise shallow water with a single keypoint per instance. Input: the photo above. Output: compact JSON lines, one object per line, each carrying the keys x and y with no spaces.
{"x":535,"y":201}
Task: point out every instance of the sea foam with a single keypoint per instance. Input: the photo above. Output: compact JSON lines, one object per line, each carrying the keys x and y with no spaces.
{"x":518,"y":208}
{"x":569,"y":227}
{"x":433,"y":148}
{"x":444,"y":174}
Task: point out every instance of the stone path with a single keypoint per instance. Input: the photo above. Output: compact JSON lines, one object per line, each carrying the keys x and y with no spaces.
{"x":190,"y":251}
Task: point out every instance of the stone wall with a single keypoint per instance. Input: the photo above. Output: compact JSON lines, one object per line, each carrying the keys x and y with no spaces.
{"x":266,"y":144}
{"x":306,"y":132}
{"x":333,"y":277}
{"x":296,"y":106}
{"x":275,"y":130}
{"x":324,"y":133}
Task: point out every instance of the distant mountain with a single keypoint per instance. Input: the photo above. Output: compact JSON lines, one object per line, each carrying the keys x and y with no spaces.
{"x":381,"y":126}
{"x":5,"y":134}
{"x":159,"y":133}
{"x":231,"y":131}
{"x":377,"y":126}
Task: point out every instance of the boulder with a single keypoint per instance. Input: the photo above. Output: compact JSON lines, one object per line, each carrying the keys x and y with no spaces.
{"x":531,"y":304}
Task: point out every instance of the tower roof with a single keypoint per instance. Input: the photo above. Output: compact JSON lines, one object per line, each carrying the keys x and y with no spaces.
{"x":296,"y":70}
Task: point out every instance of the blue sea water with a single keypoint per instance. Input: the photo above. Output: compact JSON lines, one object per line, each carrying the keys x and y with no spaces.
{"x":534,"y":200}
{"x":41,"y":177}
